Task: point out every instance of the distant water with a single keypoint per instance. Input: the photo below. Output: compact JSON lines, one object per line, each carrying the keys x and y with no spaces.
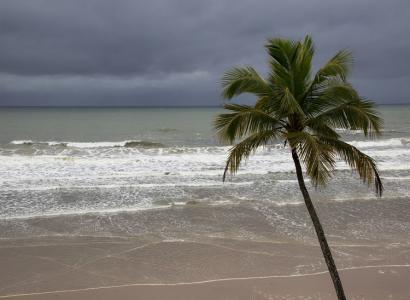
{"x":80,"y":160}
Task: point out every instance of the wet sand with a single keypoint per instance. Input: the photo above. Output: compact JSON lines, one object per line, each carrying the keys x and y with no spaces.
{"x":247,"y":258}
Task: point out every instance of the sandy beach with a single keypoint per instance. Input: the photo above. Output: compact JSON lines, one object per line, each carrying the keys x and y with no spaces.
{"x":371,"y":282}
{"x":200,"y":252}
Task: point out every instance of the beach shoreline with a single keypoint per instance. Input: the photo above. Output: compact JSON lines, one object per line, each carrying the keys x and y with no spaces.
{"x":203,"y":252}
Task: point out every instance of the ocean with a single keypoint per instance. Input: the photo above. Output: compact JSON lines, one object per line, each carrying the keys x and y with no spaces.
{"x":73,"y":161}
{"x":106,"y":197}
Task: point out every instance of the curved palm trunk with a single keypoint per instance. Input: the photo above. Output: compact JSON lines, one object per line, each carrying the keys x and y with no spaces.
{"x":319,"y":230}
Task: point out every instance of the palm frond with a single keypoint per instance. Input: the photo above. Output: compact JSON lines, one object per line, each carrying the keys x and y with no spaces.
{"x":245,"y":148}
{"x":320,"y":128}
{"x":329,"y":94}
{"x":281,"y":51}
{"x":318,"y":158}
{"x":290,"y":64}
{"x":267,"y":104}
{"x":301,"y":68}
{"x":243,"y":120}
{"x":357,"y":114}
{"x":289,"y":105}
{"x":338,"y":66}
{"x":334,"y":73}
{"x":240,"y":80}
{"x":362,"y":163}
{"x":280,"y":77}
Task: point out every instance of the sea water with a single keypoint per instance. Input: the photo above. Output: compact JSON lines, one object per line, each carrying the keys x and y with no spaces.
{"x":59,"y":161}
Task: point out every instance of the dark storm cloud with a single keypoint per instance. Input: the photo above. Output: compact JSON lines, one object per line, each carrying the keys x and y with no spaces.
{"x":172,"y":52}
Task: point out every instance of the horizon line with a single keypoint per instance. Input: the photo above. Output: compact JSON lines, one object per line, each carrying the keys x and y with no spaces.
{"x":109,"y":106}
{"x":139,"y":106}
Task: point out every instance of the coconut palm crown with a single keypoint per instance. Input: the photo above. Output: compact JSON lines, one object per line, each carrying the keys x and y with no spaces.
{"x":303,"y":110}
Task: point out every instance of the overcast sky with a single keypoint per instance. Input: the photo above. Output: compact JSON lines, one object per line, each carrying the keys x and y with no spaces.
{"x":173,"y":52}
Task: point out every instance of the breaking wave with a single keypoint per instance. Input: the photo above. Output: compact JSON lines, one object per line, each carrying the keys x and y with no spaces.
{"x":383,"y":143}
{"x":129,"y":144}
{"x":48,"y":177}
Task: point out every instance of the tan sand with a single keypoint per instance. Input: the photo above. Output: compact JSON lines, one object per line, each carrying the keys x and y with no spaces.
{"x":208,"y":252}
{"x":136,"y":268}
{"x":383,"y":283}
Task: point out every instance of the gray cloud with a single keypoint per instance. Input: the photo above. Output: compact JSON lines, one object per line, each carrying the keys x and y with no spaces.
{"x":159,"y":52}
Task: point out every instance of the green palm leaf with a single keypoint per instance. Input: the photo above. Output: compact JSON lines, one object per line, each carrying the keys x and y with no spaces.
{"x":353,"y":115}
{"x":241,"y":80}
{"x":244,"y":120}
{"x":362,"y":163}
{"x":338,"y":66}
{"x":318,"y":157}
{"x":245,"y":148}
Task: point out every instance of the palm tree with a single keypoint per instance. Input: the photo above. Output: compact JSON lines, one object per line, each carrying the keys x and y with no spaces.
{"x":303,"y":111}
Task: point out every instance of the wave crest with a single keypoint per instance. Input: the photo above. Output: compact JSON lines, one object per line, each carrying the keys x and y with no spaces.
{"x":128,"y":144}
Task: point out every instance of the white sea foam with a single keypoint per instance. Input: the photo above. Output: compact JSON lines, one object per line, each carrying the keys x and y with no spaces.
{"x":84,"y":212}
{"x":139,"y":186}
{"x":101,"y":144}
{"x":393,"y":142}
{"x":105,"y":176}
{"x":175,"y":161}
{"x":396,"y":178}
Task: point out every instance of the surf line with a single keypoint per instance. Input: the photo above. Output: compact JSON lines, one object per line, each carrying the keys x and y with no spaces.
{"x":199,"y":282}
